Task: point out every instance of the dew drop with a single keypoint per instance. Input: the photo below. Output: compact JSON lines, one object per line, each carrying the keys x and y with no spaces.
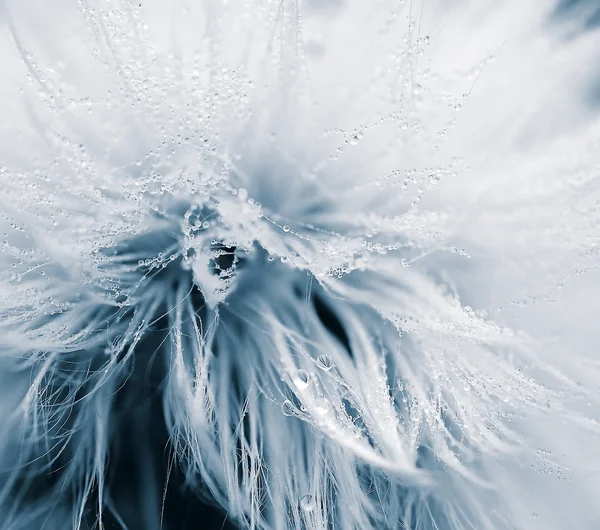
{"x":324,"y":362}
{"x":307,"y":503}
{"x":286,"y":228}
{"x":301,"y":379}
{"x":322,"y":406}
{"x":288,"y":409}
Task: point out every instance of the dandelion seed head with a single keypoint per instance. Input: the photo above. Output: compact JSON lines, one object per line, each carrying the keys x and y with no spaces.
{"x":302,"y":246}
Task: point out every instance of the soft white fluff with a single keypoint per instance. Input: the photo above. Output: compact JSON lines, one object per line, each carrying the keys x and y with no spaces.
{"x":358,"y":239}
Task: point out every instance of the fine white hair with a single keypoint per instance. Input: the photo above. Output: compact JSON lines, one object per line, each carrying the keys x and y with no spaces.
{"x":345,"y":254}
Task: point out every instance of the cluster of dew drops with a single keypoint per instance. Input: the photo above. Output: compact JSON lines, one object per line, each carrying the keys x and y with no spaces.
{"x":191,"y":123}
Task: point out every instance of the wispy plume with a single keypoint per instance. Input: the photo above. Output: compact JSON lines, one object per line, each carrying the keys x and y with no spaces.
{"x":322,"y":264}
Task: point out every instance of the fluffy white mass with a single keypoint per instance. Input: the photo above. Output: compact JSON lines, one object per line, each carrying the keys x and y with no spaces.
{"x":350,"y":246}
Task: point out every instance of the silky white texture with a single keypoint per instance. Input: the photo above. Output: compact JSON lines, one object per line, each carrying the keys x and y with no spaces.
{"x":427,"y":172}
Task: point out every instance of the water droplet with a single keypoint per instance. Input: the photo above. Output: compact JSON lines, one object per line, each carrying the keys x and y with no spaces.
{"x":286,"y":228}
{"x":307,"y":503}
{"x":301,"y":379}
{"x":322,"y":406}
{"x":324,"y":362}
{"x":288,"y":409}
{"x":354,"y":139}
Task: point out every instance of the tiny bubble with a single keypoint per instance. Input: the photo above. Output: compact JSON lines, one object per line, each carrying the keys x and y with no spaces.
{"x":301,"y":379}
{"x":322,"y":406}
{"x":307,"y":503}
{"x":324,"y":362}
{"x":288,"y":409}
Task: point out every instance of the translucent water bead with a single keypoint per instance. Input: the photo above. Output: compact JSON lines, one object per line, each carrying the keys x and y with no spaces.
{"x":322,"y":406}
{"x":288,"y":408}
{"x":324,"y":362}
{"x":307,"y":503}
{"x":301,"y":379}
